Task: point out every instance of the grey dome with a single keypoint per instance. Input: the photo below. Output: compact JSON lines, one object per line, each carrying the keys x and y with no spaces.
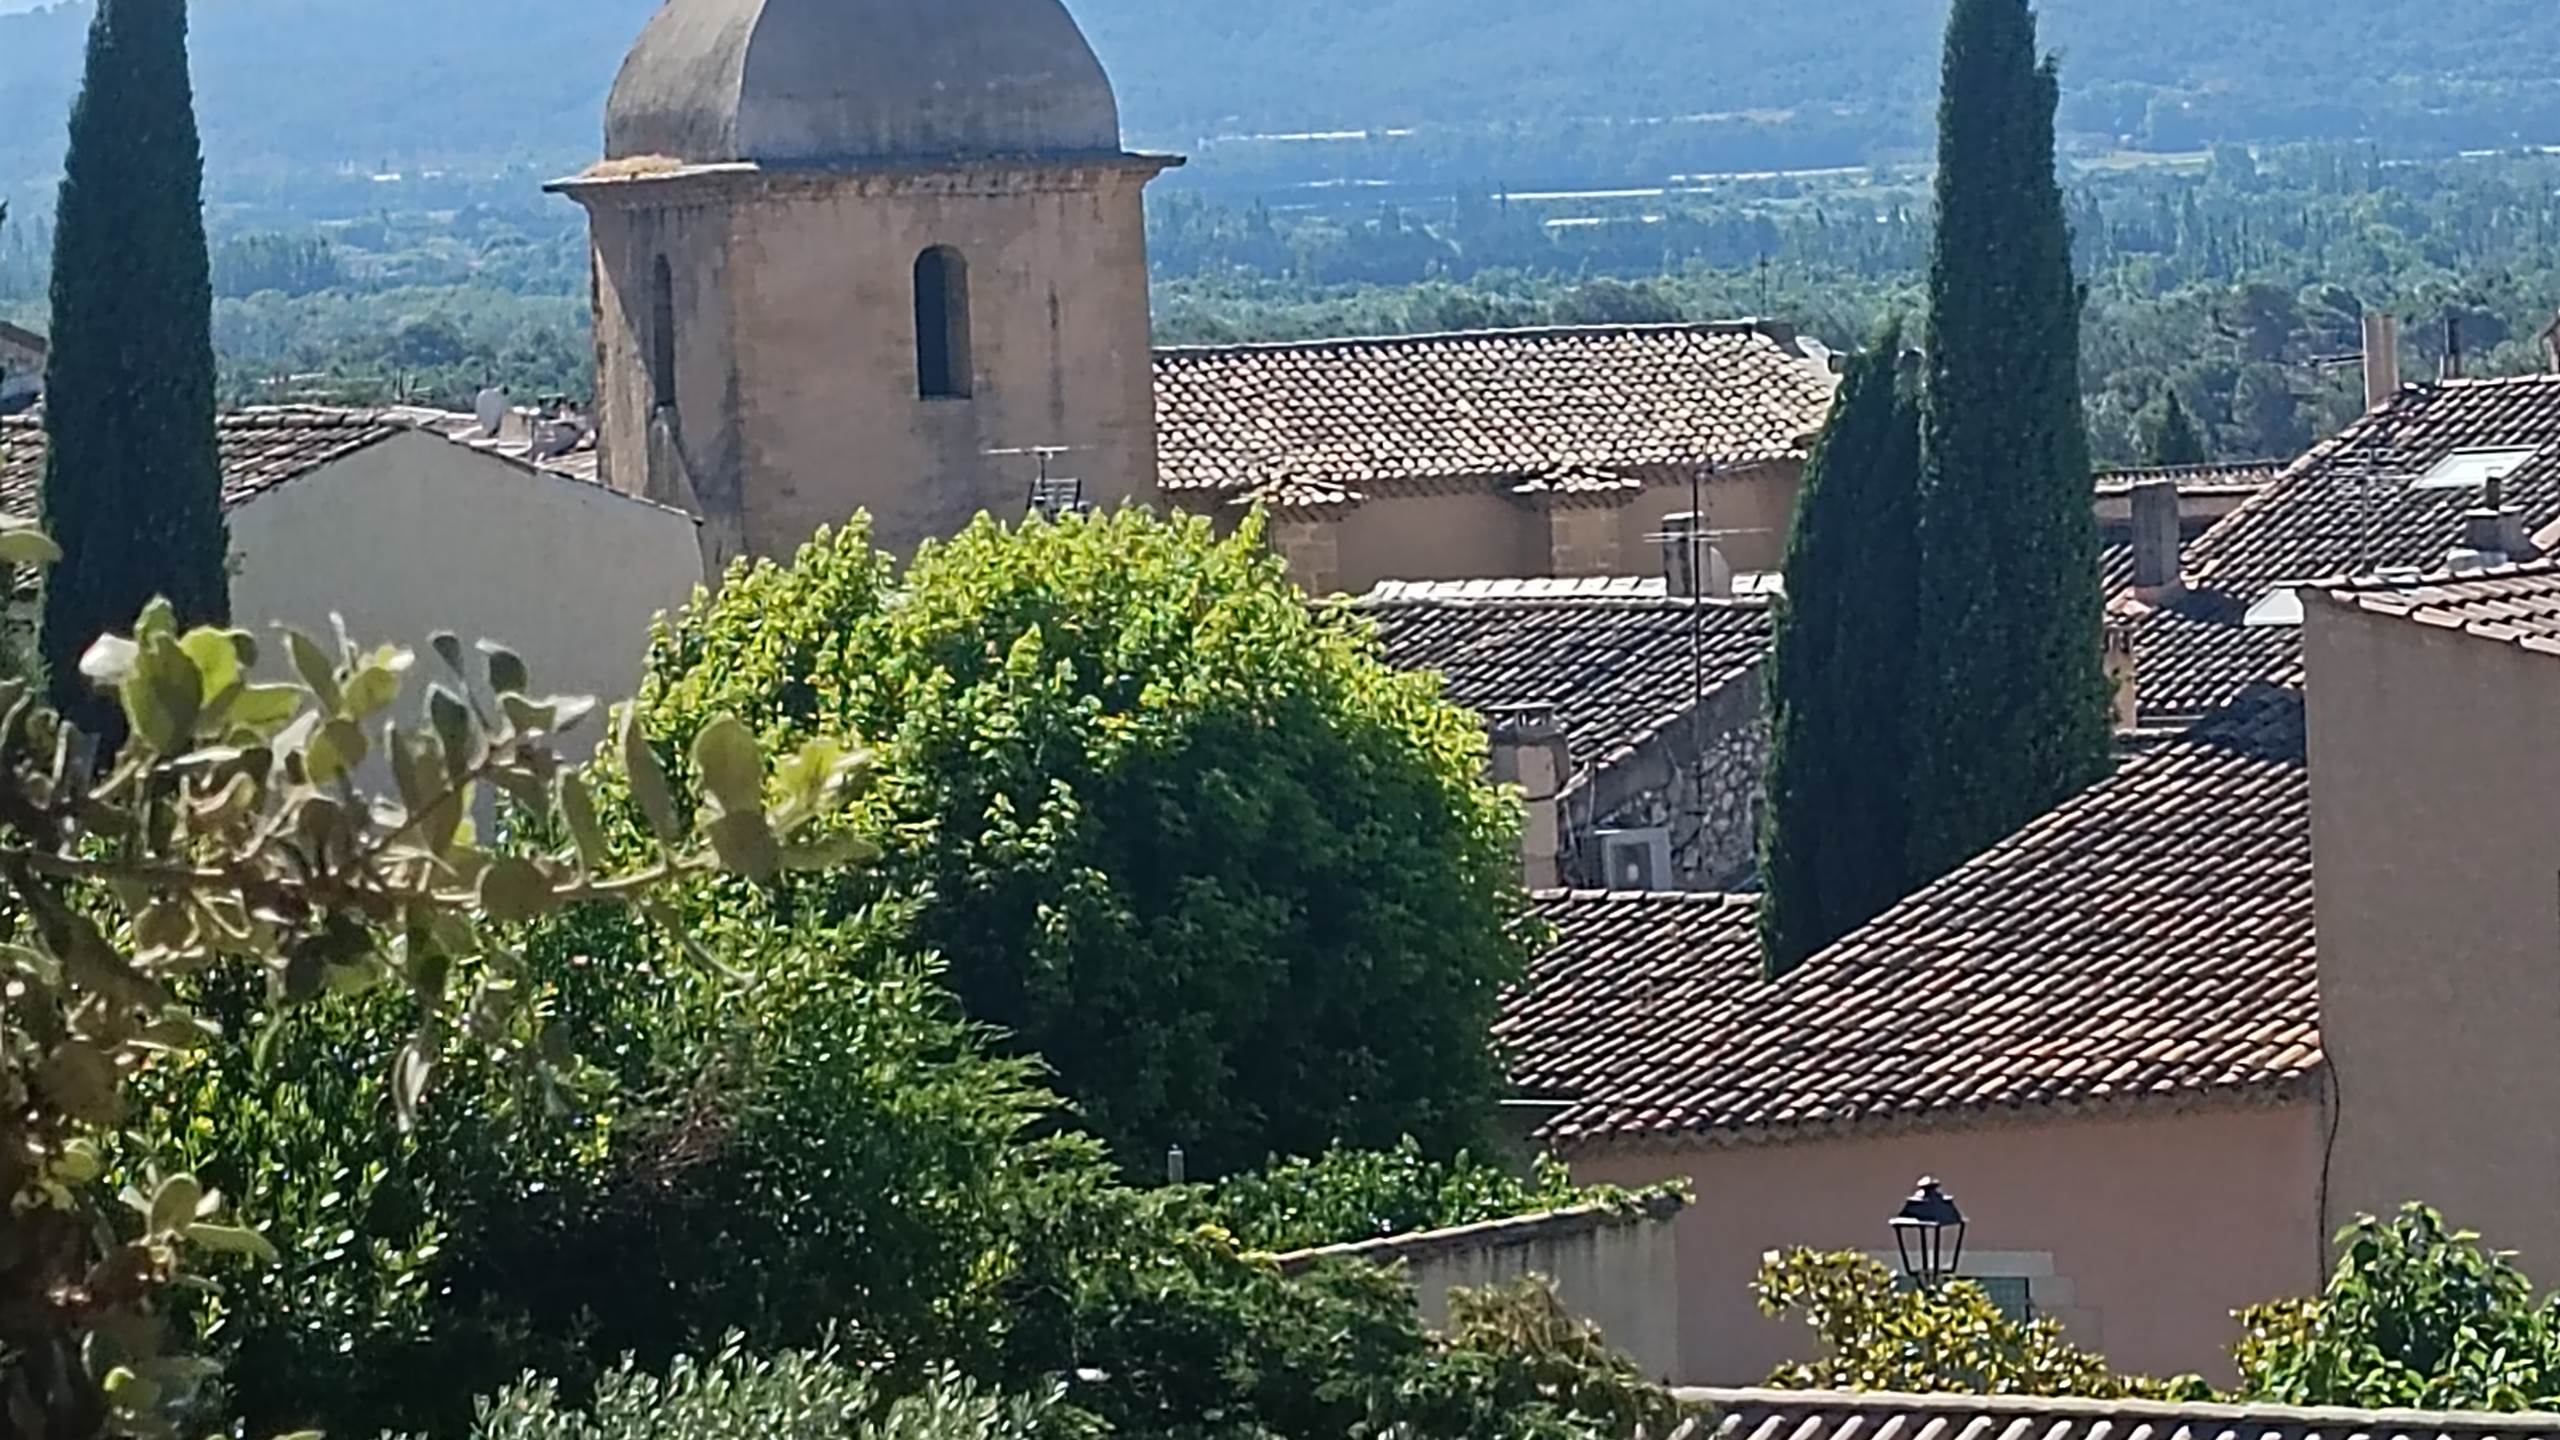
{"x":856,"y":82}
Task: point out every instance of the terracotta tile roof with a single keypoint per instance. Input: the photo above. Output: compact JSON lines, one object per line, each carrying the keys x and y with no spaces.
{"x":1623,"y":973}
{"x":2192,"y":656}
{"x":1867,"y":1415}
{"x":2148,"y":941}
{"x":1615,"y":670}
{"x":261,"y":449}
{"x":264,"y":448}
{"x":1577,"y":480}
{"x":1487,"y":404}
{"x":2514,"y":604}
{"x":2237,"y":477}
{"x":2352,"y":505}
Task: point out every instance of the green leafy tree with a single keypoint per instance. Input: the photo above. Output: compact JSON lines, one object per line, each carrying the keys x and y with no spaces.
{"x":132,"y":481}
{"x":1238,"y":882}
{"x":1836,"y":849}
{"x":1346,"y":1195}
{"x":2173,"y":439}
{"x":2009,"y":694}
{"x":230,"y":840}
{"x":1878,"y":1333}
{"x":2417,"y":1315}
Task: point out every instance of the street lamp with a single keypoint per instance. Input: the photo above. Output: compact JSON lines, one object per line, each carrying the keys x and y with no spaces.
{"x":1929,"y":1232}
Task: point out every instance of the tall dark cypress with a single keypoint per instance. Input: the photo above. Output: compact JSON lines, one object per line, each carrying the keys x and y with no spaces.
{"x":1834,"y":851}
{"x":2175,"y":441}
{"x":2009,"y":712}
{"x":132,"y":481}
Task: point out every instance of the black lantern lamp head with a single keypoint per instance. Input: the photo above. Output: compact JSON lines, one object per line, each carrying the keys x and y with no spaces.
{"x":1929,"y":1233}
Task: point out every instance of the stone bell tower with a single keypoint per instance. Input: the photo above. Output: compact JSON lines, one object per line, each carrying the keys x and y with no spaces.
{"x":845,"y":248}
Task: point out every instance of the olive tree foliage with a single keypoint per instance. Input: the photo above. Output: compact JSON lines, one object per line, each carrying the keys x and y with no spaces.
{"x":2417,"y":1315}
{"x":1238,"y":882}
{"x":1877,"y":1333}
{"x":231,"y":835}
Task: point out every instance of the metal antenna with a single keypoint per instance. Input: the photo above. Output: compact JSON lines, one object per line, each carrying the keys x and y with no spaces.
{"x":1052,"y":496}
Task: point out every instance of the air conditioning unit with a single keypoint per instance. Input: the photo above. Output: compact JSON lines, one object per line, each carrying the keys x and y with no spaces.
{"x":1636,"y":859}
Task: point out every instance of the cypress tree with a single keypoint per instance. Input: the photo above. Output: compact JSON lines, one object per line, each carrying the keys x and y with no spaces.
{"x":2009,"y":708}
{"x":1834,"y":847}
{"x":2174,"y":440}
{"x":132,"y":480}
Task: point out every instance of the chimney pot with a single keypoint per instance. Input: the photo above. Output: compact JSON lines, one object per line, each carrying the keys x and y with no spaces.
{"x":2381,"y":359}
{"x":2453,"y":347}
{"x":1529,"y":751}
{"x":2156,"y":535}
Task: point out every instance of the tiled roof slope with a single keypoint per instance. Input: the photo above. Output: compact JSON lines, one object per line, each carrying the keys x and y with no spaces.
{"x":261,"y":449}
{"x":1497,"y":403}
{"x":2516,"y":604}
{"x":1622,"y":971}
{"x":2349,"y":506}
{"x":1615,"y":670}
{"x":1877,"y":1415}
{"x":2149,"y":940}
{"x":2191,"y":656}
{"x":2240,"y":477}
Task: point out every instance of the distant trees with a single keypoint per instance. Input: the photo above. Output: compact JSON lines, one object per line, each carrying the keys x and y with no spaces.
{"x":2009,"y":712}
{"x":1835,"y":849}
{"x":2172,"y":437}
{"x":132,"y":482}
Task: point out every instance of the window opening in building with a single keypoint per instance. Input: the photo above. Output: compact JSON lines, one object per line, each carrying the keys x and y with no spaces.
{"x":662,"y":336}
{"x":942,"y":324}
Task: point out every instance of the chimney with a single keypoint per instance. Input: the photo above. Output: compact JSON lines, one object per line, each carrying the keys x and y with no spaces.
{"x":2156,"y":572}
{"x":1529,"y":751}
{"x":2493,"y":531}
{"x":2551,"y":343}
{"x":2381,"y":359}
{"x":2453,"y":347}
{"x":1692,"y":566}
{"x":489,"y":407}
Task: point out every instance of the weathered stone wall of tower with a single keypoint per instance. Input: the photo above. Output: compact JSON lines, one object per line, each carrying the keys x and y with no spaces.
{"x":822,"y":276}
{"x":795,"y":308}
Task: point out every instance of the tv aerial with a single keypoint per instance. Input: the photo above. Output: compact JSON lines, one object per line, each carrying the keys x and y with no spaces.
{"x":1053,"y":496}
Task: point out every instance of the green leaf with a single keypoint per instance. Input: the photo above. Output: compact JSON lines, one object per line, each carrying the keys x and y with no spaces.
{"x":745,"y":844}
{"x":729,"y":766}
{"x":22,"y":544}
{"x":335,"y":752}
{"x":578,"y":809}
{"x":164,"y":694}
{"x":264,"y":710}
{"x":448,"y":648}
{"x":455,"y":728}
{"x":648,"y":779}
{"x":507,"y":674}
{"x":829,"y":852}
{"x":217,"y":658}
{"x":232,"y":1240}
{"x":316,"y":669}
{"x":513,"y":891}
{"x":373,"y":690}
{"x":173,"y":1205}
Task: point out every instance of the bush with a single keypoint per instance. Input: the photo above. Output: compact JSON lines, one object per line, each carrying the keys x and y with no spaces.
{"x":1345,"y":1195}
{"x":1237,"y":881}
{"x":792,"y":1396}
{"x":2416,"y":1316}
{"x":1877,"y":1333}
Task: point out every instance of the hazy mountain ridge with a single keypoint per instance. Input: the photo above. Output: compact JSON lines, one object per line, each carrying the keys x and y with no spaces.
{"x":296,"y":84}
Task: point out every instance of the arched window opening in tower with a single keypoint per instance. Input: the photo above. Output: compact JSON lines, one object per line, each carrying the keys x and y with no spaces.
{"x":662,"y":336}
{"x":942,"y":324}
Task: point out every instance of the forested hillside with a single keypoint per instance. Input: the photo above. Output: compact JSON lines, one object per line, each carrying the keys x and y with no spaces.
{"x":1507,"y":89}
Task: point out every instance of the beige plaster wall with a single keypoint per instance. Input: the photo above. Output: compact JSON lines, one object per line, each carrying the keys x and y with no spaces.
{"x":1465,"y":535}
{"x":1759,"y":502}
{"x":2149,"y":1231}
{"x":2435,"y":826}
{"x":417,"y":534}
{"x":796,"y":318}
{"x":1619,"y":1272}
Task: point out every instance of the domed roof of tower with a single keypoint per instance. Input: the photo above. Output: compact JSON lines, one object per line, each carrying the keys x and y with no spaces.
{"x":860,"y":82}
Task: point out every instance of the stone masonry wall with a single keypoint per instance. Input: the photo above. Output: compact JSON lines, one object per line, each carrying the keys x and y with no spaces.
{"x":1700,"y":780}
